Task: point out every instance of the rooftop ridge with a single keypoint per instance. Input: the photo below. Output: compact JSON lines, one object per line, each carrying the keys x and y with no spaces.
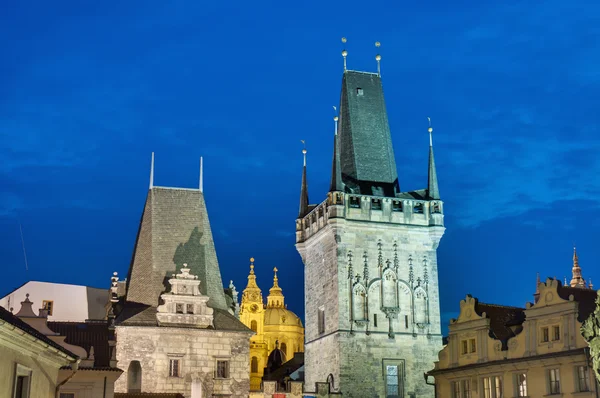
{"x":361,"y":71}
{"x":500,"y":306}
{"x":176,"y":188}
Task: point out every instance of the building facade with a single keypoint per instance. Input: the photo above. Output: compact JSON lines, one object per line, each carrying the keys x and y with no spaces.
{"x":273,"y":324}
{"x":370,"y":254}
{"x":176,"y":331}
{"x":498,"y":351}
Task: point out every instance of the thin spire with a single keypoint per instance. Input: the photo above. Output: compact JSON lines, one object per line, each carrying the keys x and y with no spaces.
{"x":275,"y":298}
{"x":152,"y":171}
{"x":201,"y":186}
{"x":577,"y":280}
{"x":336,"y":168}
{"x":304,"y":189}
{"x":344,"y":52}
{"x":252,"y":292}
{"x":378,"y":59}
{"x":433,"y":190}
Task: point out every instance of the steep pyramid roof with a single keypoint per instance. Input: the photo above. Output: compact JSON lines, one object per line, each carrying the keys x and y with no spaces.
{"x":174,"y":230}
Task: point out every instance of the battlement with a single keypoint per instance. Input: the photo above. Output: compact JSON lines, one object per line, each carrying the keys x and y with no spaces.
{"x":377,"y":209}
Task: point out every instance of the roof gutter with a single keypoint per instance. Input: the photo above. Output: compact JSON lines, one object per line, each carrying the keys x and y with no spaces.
{"x":75,"y":367}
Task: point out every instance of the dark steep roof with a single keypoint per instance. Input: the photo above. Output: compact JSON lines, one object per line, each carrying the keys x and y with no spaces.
{"x":502,"y":320}
{"x":366,"y":153}
{"x":86,"y":335}
{"x":174,"y":230}
{"x":585,"y":297}
{"x":9,"y":318}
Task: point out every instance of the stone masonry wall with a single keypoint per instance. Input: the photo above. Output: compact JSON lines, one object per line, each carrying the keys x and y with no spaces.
{"x":198,"y":350}
{"x":359,"y":351}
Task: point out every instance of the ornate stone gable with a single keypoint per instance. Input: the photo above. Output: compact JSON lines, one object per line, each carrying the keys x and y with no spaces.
{"x":184,"y":305}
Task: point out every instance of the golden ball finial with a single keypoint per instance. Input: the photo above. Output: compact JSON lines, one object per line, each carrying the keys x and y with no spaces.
{"x":335,"y":118}
{"x":304,"y":151}
{"x":378,"y":57}
{"x":344,"y":53}
{"x":430,"y":129}
{"x":251,"y":259}
{"x":344,"y":40}
{"x":377,"y":44}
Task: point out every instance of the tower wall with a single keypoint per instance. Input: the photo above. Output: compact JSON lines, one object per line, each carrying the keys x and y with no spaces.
{"x":393,"y":249}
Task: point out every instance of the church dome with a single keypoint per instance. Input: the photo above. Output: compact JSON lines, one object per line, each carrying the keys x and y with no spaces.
{"x":281,"y":316}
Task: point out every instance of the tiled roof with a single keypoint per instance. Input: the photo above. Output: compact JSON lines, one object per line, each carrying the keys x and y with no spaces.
{"x":366,"y":152}
{"x":174,"y":230}
{"x":7,"y":317}
{"x":501,"y":319}
{"x":86,"y":335}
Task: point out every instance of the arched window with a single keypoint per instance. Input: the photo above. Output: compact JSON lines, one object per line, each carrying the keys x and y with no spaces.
{"x":389,"y":290}
{"x":134,"y":377}
{"x":284,"y":349}
{"x":253,"y":326}
{"x":254,"y":365}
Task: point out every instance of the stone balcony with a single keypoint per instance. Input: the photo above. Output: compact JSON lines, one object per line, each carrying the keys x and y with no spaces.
{"x":402,"y":210}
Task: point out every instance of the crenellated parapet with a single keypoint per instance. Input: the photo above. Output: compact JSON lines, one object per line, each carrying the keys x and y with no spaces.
{"x":400,"y":210}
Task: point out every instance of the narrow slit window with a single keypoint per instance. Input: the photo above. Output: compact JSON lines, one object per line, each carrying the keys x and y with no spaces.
{"x":375,"y":320}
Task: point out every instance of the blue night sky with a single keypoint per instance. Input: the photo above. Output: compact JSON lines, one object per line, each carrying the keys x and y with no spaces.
{"x":88,"y":91}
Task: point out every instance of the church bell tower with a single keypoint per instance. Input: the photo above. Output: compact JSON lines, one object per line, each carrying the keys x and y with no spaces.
{"x":370,"y":255}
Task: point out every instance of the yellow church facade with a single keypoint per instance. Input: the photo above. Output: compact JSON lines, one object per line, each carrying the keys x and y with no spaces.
{"x":273,"y":324}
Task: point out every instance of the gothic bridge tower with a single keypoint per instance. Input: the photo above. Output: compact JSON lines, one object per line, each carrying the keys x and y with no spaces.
{"x":370,"y":255}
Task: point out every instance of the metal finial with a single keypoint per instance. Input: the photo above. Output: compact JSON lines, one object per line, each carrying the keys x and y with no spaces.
{"x":335,"y":119}
{"x":304,"y":151}
{"x":378,"y":59}
{"x":344,"y":52}
{"x":251,"y":265}
{"x":152,"y":172}
{"x":430,"y":129}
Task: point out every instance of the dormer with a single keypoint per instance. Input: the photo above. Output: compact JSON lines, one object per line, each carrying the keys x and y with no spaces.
{"x":184,"y":305}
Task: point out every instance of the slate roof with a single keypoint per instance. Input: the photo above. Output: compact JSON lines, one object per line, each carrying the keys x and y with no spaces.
{"x":174,"y":229}
{"x":501,"y":319}
{"x":7,"y":317}
{"x":367,"y":158}
{"x":585,"y":297}
{"x":86,"y":335}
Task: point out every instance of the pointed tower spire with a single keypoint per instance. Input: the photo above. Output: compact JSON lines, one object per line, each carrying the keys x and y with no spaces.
{"x":304,"y":190}
{"x":433,"y":191}
{"x":252,"y":293}
{"x":336,"y":169}
{"x":275,"y":298}
{"x":577,"y":280}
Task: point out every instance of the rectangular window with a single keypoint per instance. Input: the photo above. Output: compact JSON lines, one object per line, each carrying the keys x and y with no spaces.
{"x":396,"y":205}
{"x":174,"y":368}
{"x":473,"y":346}
{"x":375,"y":320}
{"x":354,"y":202}
{"x":522,"y":385}
{"x":498,"y":387}
{"x":466,"y":388}
{"x":48,"y":305}
{"x":22,"y":382}
{"x":545,"y":335}
{"x":359,"y":91}
{"x":456,"y":389}
{"x":321,"y":320}
{"x":554,"y":381}
{"x":464,"y":347}
{"x":190,"y":308}
{"x":392,"y":381}
{"x":222,"y":369}
{"x":376,"y":204}
{"x":487,"y":387}
{"x":556,"y":334}
{"x":582,"y":376}
{"x":179,"y":308}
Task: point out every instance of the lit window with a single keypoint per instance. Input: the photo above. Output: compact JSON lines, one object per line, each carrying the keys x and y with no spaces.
{"x":464,"y":347}
{"x":522,"y":384}
{"x":254,"y":365}
{"x":473,"y":346}
{"x":466,"y":388}
{"x":174,"y":368}
{"x":222,"y":369}
{"x":556,"y":334}
{"x":487,"y":387}
{"x":392,"y":381}
{"x":554,"y":380}
{"x":48,"y":305}
{"x":582,"y":376}
{"x":498,"y":387}
{"x":545,"y":335}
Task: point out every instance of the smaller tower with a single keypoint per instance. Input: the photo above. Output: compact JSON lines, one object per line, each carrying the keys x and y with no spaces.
{"x":275,"y":298}
{"x":577,"y":280}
